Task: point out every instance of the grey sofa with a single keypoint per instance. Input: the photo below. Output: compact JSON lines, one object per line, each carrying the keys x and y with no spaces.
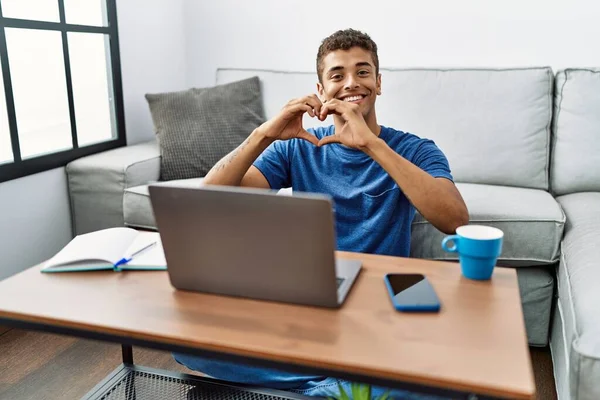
{"x":524,"y":148}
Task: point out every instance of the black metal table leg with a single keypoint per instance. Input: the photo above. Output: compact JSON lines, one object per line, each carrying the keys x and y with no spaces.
{"x":127,"y":354}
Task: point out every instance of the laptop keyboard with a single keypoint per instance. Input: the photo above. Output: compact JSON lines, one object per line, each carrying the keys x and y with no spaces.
{"x":339,"y":282}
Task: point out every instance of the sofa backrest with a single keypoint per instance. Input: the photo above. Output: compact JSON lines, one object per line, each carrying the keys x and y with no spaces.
{"x":492,"y":124}
{"x":278,"y":87}
{"x":576,"y":132}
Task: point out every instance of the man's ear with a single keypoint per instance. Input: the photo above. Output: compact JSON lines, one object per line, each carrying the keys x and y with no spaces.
{"x":379,"y":84}
{"x":320,"y":90}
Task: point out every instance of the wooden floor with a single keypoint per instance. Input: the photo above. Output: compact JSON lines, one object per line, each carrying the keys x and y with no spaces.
{"x":45,"y":366}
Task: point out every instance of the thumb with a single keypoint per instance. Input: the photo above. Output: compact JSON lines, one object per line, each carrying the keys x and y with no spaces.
{"x":304,"y":134}
{"x":329,"y":139}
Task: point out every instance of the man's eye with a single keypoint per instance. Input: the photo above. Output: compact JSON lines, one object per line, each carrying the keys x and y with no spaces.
{"x":363,"y":72}
{"x":336,"y":77}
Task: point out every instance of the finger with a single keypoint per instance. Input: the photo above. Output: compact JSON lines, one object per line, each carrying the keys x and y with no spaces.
{"x":296,"y":105}
{"x":313,"y":101}
{"x":329,"y":139}
{"x":301,"y":108}
{"x":331,"y":107}
{"x":316,"y":103}
{"x":309,"y":137}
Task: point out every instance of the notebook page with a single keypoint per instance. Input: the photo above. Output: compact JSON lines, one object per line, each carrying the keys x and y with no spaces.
{"x":106,"y":245}
{"x":153,"y":257}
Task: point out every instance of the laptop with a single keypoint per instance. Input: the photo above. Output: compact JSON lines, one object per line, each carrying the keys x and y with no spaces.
{"x":252,"y":243}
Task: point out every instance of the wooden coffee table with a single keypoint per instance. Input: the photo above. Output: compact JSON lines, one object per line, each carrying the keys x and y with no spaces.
{"x":475,"y":345}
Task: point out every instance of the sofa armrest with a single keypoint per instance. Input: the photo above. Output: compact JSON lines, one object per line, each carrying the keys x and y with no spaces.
{"x":97,"y":184}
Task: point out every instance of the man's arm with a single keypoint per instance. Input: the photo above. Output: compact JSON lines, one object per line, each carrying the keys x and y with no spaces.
{"x":236,"y":169}
{"x":437,"y":199}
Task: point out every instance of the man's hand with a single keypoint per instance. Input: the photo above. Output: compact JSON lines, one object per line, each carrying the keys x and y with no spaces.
{"x":288,"y":123}
{"x":355,"y":131}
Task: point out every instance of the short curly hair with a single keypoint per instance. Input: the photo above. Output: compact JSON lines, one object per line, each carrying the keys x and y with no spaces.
{"x":345,"y":40}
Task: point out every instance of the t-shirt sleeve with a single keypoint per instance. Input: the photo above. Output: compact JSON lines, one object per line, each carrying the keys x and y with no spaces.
{"x":432,"y":160}
{"x":274,"y":163}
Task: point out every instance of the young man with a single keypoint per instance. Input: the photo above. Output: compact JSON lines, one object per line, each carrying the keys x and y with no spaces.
{"x":377,"y":176}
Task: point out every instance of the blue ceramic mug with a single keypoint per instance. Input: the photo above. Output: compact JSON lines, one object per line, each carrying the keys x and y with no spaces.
{"x":478,"y":248}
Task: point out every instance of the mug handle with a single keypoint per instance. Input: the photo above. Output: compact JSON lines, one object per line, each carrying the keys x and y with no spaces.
{"x":454,"y":248}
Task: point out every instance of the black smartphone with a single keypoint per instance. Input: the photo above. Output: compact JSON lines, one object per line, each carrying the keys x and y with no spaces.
{"x":412,"y":292}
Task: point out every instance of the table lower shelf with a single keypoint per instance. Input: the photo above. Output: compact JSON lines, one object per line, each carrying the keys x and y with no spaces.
{"x":132,"y":382}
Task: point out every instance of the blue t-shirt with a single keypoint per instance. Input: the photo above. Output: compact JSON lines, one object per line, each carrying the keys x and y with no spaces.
{"x":372,"y":213}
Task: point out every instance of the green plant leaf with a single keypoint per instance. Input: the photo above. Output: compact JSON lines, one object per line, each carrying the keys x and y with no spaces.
{"x":343,"y":395}
{"x":384,"y":396}
{"x":360,"y":391}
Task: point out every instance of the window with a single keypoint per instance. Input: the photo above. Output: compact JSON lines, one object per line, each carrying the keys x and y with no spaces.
{"x":61,"y":81}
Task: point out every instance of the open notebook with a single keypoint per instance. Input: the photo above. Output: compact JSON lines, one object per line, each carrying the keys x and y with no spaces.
{"x":113,"y":248}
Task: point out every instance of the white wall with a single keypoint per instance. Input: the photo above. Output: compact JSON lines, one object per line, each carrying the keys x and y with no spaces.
{"x":35,"y":220}
{"x":152,"y":44}
{"x":286,"y":34}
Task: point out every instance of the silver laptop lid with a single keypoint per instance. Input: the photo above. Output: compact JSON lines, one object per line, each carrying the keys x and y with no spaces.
{"x":248,"y":242}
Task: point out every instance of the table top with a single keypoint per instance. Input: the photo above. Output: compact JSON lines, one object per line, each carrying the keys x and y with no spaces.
{"x":477,"y":342}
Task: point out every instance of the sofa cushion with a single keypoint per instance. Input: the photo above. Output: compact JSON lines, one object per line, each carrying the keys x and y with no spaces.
{"x":578,"y":294}
{"x":576,"y":132}
{"x":493,"y":125}
{"x":137,"y":208}
{"x":199,"y":126}
{"x":536,"y":286}
{"x":97,"y":182}
{"x":531,"y":219}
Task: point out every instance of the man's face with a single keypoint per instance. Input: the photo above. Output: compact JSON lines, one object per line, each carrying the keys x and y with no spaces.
{"x":349,"y":75}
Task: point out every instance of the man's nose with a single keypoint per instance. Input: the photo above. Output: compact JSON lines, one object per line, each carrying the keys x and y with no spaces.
{"x":351,"y":83}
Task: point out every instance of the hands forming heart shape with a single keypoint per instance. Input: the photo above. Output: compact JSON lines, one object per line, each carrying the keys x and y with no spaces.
{"x":288,"y":123}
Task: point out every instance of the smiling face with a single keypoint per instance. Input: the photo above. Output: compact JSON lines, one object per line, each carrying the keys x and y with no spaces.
{"x":350,"y":75}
